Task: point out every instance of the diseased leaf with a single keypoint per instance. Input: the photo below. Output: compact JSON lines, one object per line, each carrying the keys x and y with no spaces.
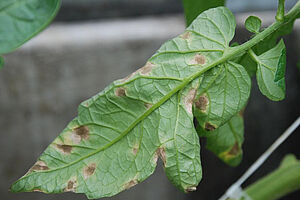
{"x":253,"y":24}
{"x":226,"y":141}
{"x":223,"y":92}
{"x":21,"y":20}
{"x":192,"y":8}
{"x":115,"y":141}
{"x":270,"y":73}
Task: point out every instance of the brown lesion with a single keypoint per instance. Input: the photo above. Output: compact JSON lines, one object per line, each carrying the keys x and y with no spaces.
{"x":186,"y":35}
{"x":189,"y":99}
{"x":38,"y":166}
{"x":71,"y":186}
{"x":120,"y":92}
{"x":202,"y":103}
{"x":148,"y":105}
{"x":209,"y":127}
{"x":89,"y":170}
{"x":160,"y":152}
{"x":198,"y":60}
{"x":66,"y":149}
{"x":190,"y":189}
{"x":235,"y":150}
{"x":146,"y":69}
{"x":130,"y":184}
{"x":82,"y":132}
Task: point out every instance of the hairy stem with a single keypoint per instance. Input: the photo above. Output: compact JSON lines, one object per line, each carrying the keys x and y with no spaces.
{"x":279,"y":183}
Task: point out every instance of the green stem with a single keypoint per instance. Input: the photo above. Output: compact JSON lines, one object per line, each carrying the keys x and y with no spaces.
{"x":280,"y":10}
{"x":238,"y":50}
{"x":279,"y":183}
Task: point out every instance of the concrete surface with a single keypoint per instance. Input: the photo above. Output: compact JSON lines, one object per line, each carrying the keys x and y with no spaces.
{"x":43,"y":82}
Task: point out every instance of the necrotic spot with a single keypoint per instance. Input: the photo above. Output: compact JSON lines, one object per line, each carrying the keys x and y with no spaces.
{"x":66,"y":149}
{"x":209,"y":127}
{"x":83,"y":132}
{"x":202,"y":103}
{"x":89,"y":170}
{"x":120,"y":92}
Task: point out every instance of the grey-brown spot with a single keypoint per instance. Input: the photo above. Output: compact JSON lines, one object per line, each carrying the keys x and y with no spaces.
{"x":188,"y":100}
{"x":89,"y":170}
{"x":148,"y":105}
{"x":162,"y":154}
{"x":202,"y":103}
{"x":82,"y":132}
{"x":235,"y":150}
{"x":186,"y":35}
{"x":120,"y":92}
{"x":66,"y":149}
{"x":198,"y":59}
{"x":190,"y":189}
{"x":145,"y":70}
{"x":39,"y":166}
{"x":209,"y":127}
{"x":71,"y":186}
{"x":130,"y":184}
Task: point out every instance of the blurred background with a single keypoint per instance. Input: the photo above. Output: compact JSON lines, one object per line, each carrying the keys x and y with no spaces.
{"x":93,"y":42}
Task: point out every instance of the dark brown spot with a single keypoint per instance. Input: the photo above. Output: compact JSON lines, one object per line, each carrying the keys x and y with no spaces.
{"x":148,"y":105}
{"x":188,"y":100}
{"x":162,"y":154}
{"x":190,"y":189}
{"x":198,"y":59}
{"x":120,"y":92}
{"x":89,"y":170}
{"x":146,"y":69}
{"x":202,"y":103}
{"x":83,"y":132}
{"x":71,"y":186}
{"x":235,"y":150}
{"x":130,"y":184}
{"x":186,"y":35}
{"x":209,"y":127}
{"x":39,"y":166}
{"x":66,"y":149}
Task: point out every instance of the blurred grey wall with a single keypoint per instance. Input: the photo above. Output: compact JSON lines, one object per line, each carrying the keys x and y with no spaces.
{"x":43,"y":82}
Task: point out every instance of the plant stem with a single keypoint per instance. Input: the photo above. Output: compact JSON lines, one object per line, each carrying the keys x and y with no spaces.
{"x":238,"y":50}
{"x":279,"y":183}
{"x":280,"y":10}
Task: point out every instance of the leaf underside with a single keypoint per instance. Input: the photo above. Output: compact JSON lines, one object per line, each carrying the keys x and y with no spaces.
{"x":118,"y":135}
{"x":21,"y":20}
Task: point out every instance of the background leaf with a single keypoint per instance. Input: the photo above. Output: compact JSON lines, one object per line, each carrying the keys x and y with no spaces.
{"x":270,"y":73}
{"x":192,"y":8}
{"x":226,"y":141}
{"x":21,"y":20}
{"x":253,"y":24}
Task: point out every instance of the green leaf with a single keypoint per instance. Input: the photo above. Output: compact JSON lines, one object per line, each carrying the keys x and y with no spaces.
{"x":223,"y":92}
{"x":253,"y":24}
{"x":270,"y":73}
{"x":115,"y":140}
{"x":1,"y":62}
{"x":192,"y":8}
{"x":226,"y":141}
{"x":22,"y":20}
